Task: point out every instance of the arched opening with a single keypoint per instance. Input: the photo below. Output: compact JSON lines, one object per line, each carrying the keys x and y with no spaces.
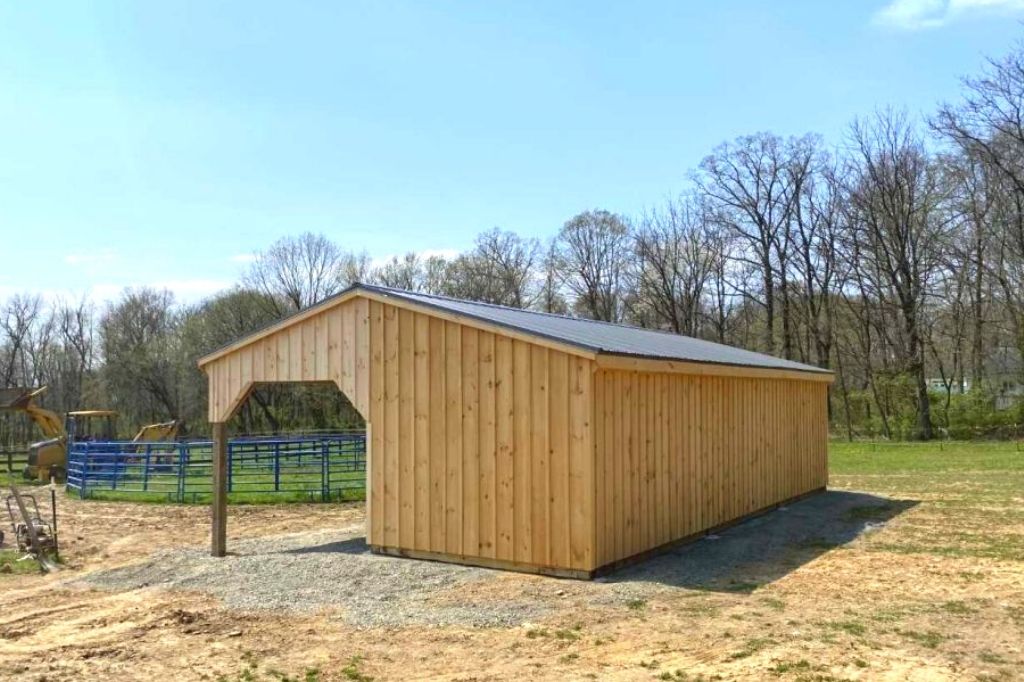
{"x":286,"y":441}
{"x":298,"y":441}
{"x":329,"y":344}
{"x":282,"y":407}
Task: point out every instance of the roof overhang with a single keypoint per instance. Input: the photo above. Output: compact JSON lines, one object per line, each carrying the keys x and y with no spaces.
{"x":633,"y":363}
{"x":603,"y":359}
{"x":382,"y":296}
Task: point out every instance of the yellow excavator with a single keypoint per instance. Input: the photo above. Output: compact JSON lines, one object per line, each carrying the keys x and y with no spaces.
{"x":48,"y":458}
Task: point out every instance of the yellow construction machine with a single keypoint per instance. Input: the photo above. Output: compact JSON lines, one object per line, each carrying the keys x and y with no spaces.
{"x":48,"y":458}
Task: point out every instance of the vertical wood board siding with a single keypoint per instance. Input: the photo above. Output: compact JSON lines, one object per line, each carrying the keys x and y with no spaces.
{"x":679,"y":454}
{"x":497,"y":457}
{"x":333,"y":346}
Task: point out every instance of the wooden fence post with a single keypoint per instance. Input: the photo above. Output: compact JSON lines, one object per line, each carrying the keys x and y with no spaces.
{"x":220,"y":493}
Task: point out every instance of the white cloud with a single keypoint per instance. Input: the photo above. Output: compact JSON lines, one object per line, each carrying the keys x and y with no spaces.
{"x":243,"y":258}
{"x":914,"y":15}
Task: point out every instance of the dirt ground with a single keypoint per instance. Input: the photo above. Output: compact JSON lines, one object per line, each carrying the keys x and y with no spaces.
{"x":840,"y":586}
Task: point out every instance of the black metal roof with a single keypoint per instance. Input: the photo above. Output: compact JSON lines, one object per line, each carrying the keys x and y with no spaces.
{"x":598,"y":337}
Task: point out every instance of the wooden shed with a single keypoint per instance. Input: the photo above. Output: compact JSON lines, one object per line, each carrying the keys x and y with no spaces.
{"x":517,"y":439}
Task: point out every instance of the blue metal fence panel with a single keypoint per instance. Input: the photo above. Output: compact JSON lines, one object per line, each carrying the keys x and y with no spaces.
{"x":325,"y":466}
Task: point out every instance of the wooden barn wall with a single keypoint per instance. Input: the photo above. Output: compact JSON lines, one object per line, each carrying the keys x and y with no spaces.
{"x":330,"y":346}
{"x":482,"y":443}
{"x":488,"y":447}
{"x":678,"y":454}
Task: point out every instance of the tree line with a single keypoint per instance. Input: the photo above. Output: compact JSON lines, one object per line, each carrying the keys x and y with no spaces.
{"x":894,"y":257}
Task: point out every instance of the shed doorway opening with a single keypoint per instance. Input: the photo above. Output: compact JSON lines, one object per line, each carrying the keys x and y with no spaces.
{"x":285,"y":442}
{"x":303,"y":441}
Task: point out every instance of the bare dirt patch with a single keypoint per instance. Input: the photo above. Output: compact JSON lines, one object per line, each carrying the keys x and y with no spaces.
{"x":840,"y":586}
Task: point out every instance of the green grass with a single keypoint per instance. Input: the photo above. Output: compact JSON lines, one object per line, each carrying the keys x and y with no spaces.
{"x":991,"y":658}
{"x":950,"y":499}
{"x":783,"y":667}
{"x":958,"y":608}
{"x":567,"y":635}
{"x":751,"y":647}
{"x":353,"y":670}
{"x":932,"y":457}
{"x":162,"y":488}
{"x":9,"y":564}
{"x":929,"y":639}
{"x":233,"y":498}
{"x":636,"y":604}
{"x":851,"y":627}
{"x":15,"y":477}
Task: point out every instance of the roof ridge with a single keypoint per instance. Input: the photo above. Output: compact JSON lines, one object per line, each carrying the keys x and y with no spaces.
{"x":620,"y":325}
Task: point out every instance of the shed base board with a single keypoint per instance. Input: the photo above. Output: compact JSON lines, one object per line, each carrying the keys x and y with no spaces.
{"x":583,"y":574}
{"x":483,"y":562}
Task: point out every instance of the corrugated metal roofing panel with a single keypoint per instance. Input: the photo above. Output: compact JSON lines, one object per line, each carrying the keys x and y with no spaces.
{"x":602,"y":337}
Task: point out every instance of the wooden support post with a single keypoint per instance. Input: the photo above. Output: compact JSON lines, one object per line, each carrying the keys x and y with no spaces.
{"x":220,"y":490}
{"x":368,"y":479}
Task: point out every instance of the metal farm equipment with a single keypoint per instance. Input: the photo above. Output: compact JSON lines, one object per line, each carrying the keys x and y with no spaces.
{"x":33,"y":534}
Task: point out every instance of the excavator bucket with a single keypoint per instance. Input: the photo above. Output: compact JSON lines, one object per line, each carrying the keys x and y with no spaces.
{"x":18,"y":398}
{"x":162,"y":432}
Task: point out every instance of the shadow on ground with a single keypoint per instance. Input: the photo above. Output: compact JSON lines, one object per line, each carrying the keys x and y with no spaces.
{"x":739,"y":559}
{"x":768,"y":547}
{"x":350,"y":546}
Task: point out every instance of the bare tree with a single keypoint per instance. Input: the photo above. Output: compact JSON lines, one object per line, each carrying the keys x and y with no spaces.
{"x":17,"y":320}
{"x":895,"y":197}
{"x":139,"y":334}
{"x":550,"y":298}
{"x":407,"y":272}
{"x":590,"y":253}
{"x":816,"y":227}
{"x":677,"y":250}
{"x":297,"y":272}
{"x":987,"y":129}
{"x":501,"y":268}
{"x":751,"y":183}
{"x":974,"y":200}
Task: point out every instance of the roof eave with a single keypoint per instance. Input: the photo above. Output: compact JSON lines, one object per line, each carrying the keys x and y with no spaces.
{"x":390,"y":296}
{"x":648,"y":363}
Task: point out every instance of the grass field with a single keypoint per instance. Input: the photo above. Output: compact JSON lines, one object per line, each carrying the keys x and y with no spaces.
{"x":971,"y":494}
{"x":911,"y":567}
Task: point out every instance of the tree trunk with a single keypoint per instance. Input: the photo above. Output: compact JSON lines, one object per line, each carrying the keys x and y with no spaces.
{"x":924,"y":407}
{"x":769,"y":306}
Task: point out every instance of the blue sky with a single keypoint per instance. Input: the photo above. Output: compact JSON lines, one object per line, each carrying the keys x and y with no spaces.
{"x":162,"y":143}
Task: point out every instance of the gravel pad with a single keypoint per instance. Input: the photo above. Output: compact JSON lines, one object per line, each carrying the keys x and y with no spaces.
{"x":335,"y":570}
{"x":325,"y":570}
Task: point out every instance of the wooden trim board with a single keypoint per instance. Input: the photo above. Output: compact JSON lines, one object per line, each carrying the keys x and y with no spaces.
{"x":483,"y":562}
{"x":633,"y":364}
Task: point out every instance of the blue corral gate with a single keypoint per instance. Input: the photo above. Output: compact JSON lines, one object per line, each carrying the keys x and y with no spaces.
{"x":325,"y":467}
